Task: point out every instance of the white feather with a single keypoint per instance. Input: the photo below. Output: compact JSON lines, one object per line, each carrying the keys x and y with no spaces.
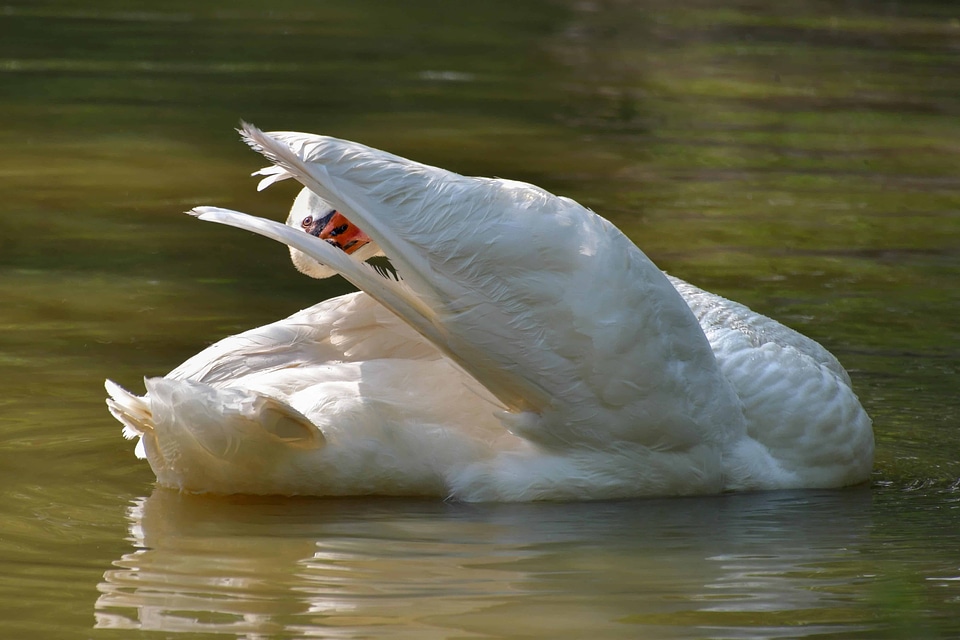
{"x":528,"y":351}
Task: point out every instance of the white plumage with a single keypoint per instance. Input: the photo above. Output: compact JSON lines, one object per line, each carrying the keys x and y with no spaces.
{"x":529,"y":351}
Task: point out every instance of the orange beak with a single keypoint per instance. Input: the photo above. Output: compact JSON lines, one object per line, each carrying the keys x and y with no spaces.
{"x":343,"y":234}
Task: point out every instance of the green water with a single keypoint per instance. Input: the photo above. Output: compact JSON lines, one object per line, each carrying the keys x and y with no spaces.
{"x":802,"y":157}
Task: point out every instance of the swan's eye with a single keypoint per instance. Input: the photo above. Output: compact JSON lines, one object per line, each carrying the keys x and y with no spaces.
{"x":306,"y":222}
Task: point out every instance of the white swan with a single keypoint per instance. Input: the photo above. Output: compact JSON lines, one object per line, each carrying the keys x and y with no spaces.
{"x":529,"y":351}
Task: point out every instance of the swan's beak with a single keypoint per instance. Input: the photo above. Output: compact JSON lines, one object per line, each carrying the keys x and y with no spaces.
{"x":338,"y":231}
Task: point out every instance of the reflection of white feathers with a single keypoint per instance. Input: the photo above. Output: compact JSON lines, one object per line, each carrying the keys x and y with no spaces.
{"x":746,"y":565}
{"x":529,"y":351}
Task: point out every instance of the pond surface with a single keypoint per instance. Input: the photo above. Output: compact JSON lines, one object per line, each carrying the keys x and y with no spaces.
{"x":802,"y":157}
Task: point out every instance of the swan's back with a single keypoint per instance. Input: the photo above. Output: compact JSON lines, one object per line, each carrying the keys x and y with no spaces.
{"x":797,"y":398}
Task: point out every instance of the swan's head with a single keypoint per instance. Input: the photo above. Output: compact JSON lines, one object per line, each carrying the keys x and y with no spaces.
{"x":314,"y":215}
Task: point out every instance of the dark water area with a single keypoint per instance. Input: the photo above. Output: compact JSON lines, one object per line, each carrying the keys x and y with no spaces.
{"x":801,"y":157}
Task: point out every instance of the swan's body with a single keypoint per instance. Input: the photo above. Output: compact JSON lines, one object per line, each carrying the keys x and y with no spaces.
{"x":531,"y":351}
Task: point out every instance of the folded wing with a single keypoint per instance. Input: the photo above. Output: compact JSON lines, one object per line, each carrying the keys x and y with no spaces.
{"x":544,"y":303}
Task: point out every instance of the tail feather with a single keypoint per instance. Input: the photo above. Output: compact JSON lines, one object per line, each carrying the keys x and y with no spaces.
{"x":220,"y":420}
{"x":132,"y":411}
{"x":174,"y":412}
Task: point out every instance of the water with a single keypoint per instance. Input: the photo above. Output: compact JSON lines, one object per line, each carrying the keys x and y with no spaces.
{"x":763,"y":565}
{"x":801,"y":157}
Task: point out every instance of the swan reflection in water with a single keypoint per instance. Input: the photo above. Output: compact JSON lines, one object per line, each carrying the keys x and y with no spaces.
{"x":750,"y":565}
